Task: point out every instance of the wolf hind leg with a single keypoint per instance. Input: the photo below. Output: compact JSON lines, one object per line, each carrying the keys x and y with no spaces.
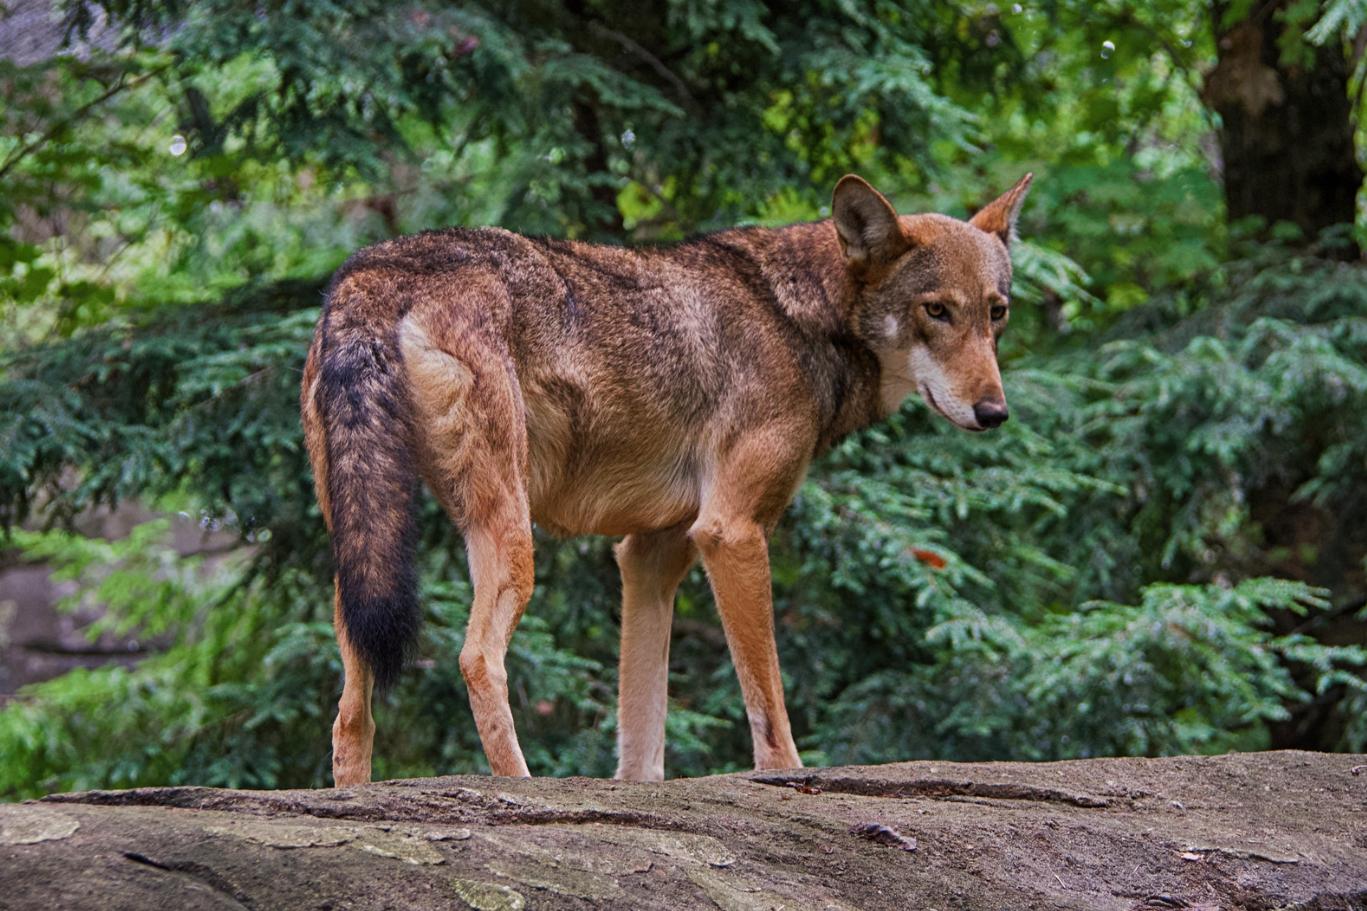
{"x":500,"y":554}
{"x":652,"y":566}
{"x":353,"y":731}
{"x":473,"y":439}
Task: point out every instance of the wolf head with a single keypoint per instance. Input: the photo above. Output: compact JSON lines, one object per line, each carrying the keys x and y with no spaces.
{"x":934,"y":295}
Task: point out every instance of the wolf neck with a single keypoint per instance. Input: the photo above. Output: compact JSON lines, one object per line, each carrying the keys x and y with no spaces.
{"x":805,"y":281}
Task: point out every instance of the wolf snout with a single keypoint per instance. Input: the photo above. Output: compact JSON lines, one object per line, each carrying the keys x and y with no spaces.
{"x":990,"y":413}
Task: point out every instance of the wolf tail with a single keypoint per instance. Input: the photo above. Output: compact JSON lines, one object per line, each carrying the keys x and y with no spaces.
{"x":372,"y":478}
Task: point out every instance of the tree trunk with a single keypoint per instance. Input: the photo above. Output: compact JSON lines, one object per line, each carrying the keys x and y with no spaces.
{"x":1269,"y":830}
{"x":602,"y":218}
{"x":1286,"y":134}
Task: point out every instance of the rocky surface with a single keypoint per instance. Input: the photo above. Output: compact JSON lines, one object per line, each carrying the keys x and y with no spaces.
{"x":1252,"y":831}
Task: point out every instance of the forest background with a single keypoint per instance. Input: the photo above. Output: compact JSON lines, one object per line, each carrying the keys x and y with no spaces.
{"x":1163,"y":551}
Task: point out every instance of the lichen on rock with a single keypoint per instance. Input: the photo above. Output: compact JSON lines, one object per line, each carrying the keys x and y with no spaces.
{"x":29,"y":825}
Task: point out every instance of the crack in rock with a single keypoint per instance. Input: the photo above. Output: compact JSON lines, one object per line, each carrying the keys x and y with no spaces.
{"x":457,"y":806}
{"x":1243,"y":854}
{"x":932,"y":788}
{"x":198,"y":872}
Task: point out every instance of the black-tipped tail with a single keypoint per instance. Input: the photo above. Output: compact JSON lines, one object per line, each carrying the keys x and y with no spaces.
{"x":372,"y":488}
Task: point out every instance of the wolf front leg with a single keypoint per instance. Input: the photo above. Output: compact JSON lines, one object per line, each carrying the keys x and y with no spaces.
{"x":750,"y":490}
{"x":652,"y":567}
{"x":736,"y":555}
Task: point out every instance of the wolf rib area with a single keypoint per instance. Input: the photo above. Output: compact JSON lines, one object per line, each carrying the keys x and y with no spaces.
{"x":1245,"y":831}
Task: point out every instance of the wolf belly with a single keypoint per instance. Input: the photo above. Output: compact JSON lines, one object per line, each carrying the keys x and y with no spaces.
{"x":589,"y":475}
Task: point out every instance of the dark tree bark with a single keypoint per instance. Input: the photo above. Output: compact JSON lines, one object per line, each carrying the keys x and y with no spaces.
{"x":602,"y":218}
{"x":1286,"y":133}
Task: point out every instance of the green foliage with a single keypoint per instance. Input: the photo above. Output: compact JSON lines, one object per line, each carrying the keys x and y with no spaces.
{"x":203,"y":403}
{"x":577,"y":107}
{"x":1250,"y":408}
{"x":1159,"y":553}
{"x":1338,"y":17}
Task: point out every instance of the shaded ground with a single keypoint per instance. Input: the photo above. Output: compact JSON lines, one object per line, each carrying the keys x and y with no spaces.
{"x":1251,"y":831}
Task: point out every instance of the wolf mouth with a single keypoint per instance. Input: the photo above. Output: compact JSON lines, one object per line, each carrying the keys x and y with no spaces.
{"x":930,"y":400}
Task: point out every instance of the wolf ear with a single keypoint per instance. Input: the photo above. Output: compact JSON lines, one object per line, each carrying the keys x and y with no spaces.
{"x":866,"y":223}
{"x":999,"y":216}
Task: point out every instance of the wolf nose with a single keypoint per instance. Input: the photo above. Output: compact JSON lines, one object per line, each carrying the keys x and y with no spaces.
{"x":990,"y":413}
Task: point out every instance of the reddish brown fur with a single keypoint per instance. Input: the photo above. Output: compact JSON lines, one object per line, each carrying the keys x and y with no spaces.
{"x":672,"y":395}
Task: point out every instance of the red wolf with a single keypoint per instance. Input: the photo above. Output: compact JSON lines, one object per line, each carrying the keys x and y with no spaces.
{"x":673,"y":396}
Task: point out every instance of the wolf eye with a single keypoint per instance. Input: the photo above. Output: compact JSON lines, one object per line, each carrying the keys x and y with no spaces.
{"x":937,"y":310}
{"x":998,"y":313}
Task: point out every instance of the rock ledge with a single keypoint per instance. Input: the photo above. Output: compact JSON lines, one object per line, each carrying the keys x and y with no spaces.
{"x":1246,"y":831}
